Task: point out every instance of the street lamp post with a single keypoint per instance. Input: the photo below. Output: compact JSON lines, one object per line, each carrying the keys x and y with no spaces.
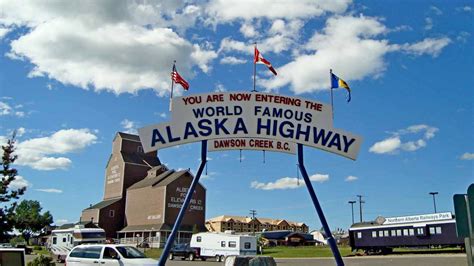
{"x":434,"y":199}
{"x":351,"y":202}
{"x":360,"y":206}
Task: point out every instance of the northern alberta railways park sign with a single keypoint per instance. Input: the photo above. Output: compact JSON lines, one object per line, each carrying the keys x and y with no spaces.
{"x":250,"y":121}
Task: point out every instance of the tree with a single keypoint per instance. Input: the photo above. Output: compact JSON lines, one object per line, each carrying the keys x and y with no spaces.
{"x":6,"y":192}
{"x":28,"y":218}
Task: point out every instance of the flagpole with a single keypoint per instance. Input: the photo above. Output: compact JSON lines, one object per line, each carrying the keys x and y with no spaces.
{"x":172,"y":84}
{"x":254,"y":68}
{"x":332,"y":100}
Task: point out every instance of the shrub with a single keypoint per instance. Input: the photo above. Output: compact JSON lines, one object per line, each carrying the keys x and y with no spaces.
{"x":17,"y":240}
{"x":41,"y":261}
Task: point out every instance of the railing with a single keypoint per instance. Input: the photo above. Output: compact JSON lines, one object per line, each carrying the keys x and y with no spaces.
{"x":152,"y":242}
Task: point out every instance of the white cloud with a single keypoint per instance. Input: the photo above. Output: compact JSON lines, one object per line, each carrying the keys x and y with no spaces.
{"x":386,"y":146}
{"x":129,"y":126}
{"x":248,"y":30}
{"x":351,"y":178}
{"x":220,"y":88}
{"x":61,"y":221}
{"x":228,"y":10}
{"x":319,"y":178}
{"x":428,"y":23}
{"x":36,"y":152}
{"x":393,"y":144}
{"x":351,"y":38}
{"x":282,"y":183}
{"x":467,"y":156}
{"x":281,"y":36}
{"x":3,"y":32}
{"x":118,"y":46}
{"x":163,"y":115}
{"x":288,"y":182}
{"x":356,"y":39}
{"x":436,"y":10}
{"x":465,"y":9}
{"x":20,"y":131}
{"x":19,"y":182}
{"x":5,"y":109}
{"x":430,"y":46}
{"x":231,"y":60}
{"x":49,"y":190}
{"x":228,"y":44}
{"x":463,"y":36}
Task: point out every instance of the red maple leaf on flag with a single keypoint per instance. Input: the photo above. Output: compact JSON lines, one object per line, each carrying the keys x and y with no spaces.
{"x":258,"y":58}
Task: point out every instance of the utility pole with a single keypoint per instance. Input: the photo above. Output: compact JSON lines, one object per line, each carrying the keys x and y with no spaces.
{"x":253,"y":213}
{"x":360,"y":206}
{"x":351,"y":202}
{"x":434,"y":199}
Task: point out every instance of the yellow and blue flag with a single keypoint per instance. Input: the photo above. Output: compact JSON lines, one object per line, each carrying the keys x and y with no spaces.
{"x":337,"y":82}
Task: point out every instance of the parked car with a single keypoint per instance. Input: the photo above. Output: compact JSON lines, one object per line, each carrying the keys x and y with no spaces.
{"x":108,"y":254}
{"x":184,"y":251}
{"x":5,"y":245}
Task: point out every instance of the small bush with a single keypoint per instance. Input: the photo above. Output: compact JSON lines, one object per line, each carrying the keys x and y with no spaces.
{"x":17,"y":240}
{"x":41,"y":261}
{"x":37,"y":248}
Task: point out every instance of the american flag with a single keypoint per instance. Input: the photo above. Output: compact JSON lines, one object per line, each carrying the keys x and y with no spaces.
{"x":178,"y":79}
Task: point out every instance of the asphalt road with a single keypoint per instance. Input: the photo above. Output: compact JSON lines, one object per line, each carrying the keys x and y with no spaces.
{"x":396,"y":260}
{"x":390,"y":260}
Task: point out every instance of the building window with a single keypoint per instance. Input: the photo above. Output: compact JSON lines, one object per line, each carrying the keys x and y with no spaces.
{"x":432,"y":230}
{"x":359,"y":234}
{"x":54,"y":240}
{"x":420,"y":231}
{"x":411,"y":231}
{"x":438,"y":230}
{"x":385,"y":233}
{"x":380,"y":233}
{"x":140,"y":149}
{"x":399,"y":232}
{"x":374,"y":234}
{"x":198,"y":239}
{"x":64,"y":239}
{"x":232,"y":244}
{"x":111,"y":213}
{"x":247,"y":245}
{"x":223,"y":244}
{"x":405,"y":232}
{"x":394,"y":233}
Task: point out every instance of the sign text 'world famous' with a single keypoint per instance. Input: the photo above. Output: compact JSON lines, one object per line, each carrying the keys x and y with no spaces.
{"x":250,"y":115}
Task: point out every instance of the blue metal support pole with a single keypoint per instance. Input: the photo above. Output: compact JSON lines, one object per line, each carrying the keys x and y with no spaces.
{"x":330,"y":239}
{"x":189,"y":195}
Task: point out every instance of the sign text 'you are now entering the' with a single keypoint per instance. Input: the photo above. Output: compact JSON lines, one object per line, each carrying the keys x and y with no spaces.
{"x":256,"y":121}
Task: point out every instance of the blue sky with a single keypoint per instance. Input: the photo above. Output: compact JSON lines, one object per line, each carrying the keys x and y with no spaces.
{"x":72,"y":76}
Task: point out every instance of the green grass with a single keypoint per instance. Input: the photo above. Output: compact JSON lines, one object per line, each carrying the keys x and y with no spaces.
{"x":43,"y":251}
{"x":426,"y":250}
{"x":303,"y":252}
{"x":279,"y":252}
{"x":153,"y":253}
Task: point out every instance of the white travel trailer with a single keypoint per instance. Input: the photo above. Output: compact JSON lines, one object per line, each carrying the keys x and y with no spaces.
{"x":221,"y":245}
{"x":63,"y":240}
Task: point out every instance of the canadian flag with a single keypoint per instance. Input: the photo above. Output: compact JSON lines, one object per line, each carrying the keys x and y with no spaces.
{"x":258,"y":58}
